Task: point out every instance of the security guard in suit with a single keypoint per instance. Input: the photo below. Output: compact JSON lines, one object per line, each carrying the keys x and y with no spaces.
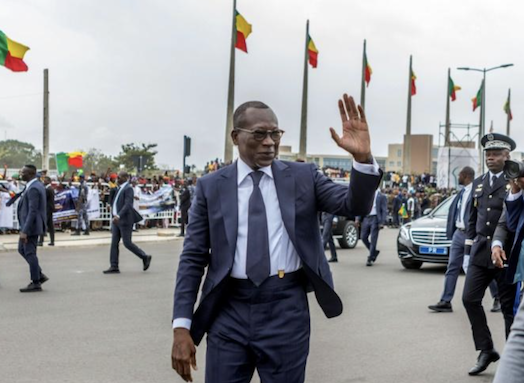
{"x":489,"y":192}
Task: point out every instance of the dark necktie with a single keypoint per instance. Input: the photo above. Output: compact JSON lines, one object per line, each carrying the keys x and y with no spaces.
{"x":257,"y":262}
{"x":493,"y":180}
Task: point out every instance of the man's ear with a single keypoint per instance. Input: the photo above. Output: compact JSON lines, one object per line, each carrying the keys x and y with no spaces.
{"x":234,"y":137}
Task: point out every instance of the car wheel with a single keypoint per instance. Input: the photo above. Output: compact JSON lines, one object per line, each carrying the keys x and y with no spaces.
{"x":411,"y":264}
{"x":349,"y":236}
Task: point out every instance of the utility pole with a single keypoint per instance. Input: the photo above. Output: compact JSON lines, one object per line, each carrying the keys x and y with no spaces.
{"x":45,"y":151}
{"x":302,"y":152}
{"x":228,"y":144}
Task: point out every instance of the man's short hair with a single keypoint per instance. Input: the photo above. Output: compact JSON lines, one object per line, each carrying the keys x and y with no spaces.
{"x":468,"y":172}
{"x":32,"y":167}
{"x":238,"y":116}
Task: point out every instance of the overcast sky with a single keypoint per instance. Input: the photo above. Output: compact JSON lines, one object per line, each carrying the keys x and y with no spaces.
{"x":126,"y":71}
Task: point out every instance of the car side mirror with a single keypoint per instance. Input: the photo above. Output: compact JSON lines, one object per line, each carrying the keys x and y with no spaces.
{"x":427,"y":211}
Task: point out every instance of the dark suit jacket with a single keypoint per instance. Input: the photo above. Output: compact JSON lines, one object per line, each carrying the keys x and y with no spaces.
{"x":50,"y":200}
{"x":185,"y":198}
{"x":212,"y":233}
{"x":511,"y":224}
{"x":32,"y":210}
{"x":453,"y":214}
{"x":124,"y":206}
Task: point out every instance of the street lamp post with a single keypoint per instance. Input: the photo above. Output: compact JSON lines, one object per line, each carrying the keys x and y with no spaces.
{"x":482,"y":127}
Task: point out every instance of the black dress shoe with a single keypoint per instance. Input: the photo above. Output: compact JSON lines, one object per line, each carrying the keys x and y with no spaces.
{"x":31,"y":288}
{"x":76,"y":233}
{"x":442,"y":307}
{"x":484,"y":360}
{"x":496,"y":306}
{"x":43,"y":278}
{"x":40,"y":244}
{"x":333,"y":260}
{"x":147,"y":262}
{"x":51,"y":244}
{"x":86,"y":233}
{"x":112,"y":270}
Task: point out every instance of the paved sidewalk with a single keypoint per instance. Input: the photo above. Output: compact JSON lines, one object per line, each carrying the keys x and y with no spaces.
{"x":103,"y":237}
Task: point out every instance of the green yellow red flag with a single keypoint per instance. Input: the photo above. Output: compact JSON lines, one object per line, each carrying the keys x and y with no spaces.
{"x":452,"y":89}
{"x":12,"y":54}
{"x":507,"y":109}
{"x":477,"y":100}
{"x":413,"y":85}
{"x":368,"y":70}
{"x":243,"y":29}
{"x":312,"y":52}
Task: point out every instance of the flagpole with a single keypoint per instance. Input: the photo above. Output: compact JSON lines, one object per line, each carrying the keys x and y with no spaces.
{"x":228,"y":147}
{"x":508,"y":112}
{"x":302,"y":154}
{"x":448,"y":121}
{"x":363,"y":83}
{"x":481,"y":152}
{"x":45,"y":147}
{"x":407,"y":137}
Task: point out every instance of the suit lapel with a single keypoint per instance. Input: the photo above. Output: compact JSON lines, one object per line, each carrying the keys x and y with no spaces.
{"x":501,"y":181}
{"x":285,"y":185}
{"x":228,"y":197}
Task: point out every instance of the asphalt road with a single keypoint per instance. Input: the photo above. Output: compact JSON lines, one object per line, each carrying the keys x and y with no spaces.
{"x":87,"y":327}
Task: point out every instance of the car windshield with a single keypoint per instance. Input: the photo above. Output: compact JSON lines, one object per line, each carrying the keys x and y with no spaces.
{"x":441,"y":211}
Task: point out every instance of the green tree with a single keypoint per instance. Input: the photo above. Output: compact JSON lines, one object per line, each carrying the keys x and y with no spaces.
{"x":130,"y":154}
{"x":98,"y":162}
{"x":16,"y":154}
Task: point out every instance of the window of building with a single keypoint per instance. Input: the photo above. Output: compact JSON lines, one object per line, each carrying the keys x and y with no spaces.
{"x":399,"y":152}
{"x":391,"y":163}
{"x":399,"y":163}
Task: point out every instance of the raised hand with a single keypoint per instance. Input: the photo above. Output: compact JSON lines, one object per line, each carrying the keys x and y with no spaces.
{"x":355,"y":131}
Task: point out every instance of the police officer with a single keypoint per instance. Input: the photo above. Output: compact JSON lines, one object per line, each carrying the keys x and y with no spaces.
{"x":489,"y":192}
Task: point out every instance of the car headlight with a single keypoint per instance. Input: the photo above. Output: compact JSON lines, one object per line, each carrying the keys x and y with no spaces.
{"x":404,"y":232}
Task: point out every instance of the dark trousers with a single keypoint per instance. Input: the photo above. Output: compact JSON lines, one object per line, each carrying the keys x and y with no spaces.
{"x":265,"y":328}
{"x":370,"y":229}
{"x":50,"y":229}
{"x":327,"y":234}
{"x":82,"y":218}
{"x":478,"y":279}
{"x":184,"y":220}
{"x":28,"y":251}
{"x":123,"y":232}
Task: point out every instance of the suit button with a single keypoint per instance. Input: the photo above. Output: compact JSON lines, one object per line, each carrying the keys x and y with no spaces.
{"x":490,"y":196}
{"x":488,"y":237}
{"x":487,"y":223}
{"x":489,"y":209}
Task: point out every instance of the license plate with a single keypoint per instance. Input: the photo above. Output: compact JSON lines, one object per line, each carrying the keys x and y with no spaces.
{"x":433,"y":250}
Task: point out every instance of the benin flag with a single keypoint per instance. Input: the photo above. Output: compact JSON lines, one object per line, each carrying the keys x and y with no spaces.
{"x":413,"y":85}
{"x":452,"y":89}
{"x":312,"y":52}
{"x":477,"y":100}
{"x":62,"y":162}
{"x":403,"y":212}
{"x":367,"y":70}
{"x":12,"y":54}
{"x":243,"y":29}
{"x":507,"y":109}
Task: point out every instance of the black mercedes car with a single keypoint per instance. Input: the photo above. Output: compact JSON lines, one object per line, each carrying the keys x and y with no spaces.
{"x":425,"y":240}
{"x":345,"y":230}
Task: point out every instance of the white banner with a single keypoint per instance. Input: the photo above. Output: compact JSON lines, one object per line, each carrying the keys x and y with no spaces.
{"x":451,"y":161}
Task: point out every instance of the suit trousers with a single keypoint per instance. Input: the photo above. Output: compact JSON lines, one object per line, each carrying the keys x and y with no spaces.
{"x":478,"y":279}
{"x":456,"y":258}
{"x":327,"y":234}
{"x":265,"y":328}
{"x":28,"y":251}
{"x":511,"y":368}
{"x":124,"y":232}
{"x":50,"y":229}
{"x":370,"y":229}
{"x":82,"y":220}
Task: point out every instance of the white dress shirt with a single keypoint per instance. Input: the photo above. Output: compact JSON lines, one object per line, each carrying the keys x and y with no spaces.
{"x":460,"y":219}
{"x":374,"y":208}
{"x":282,"y":253}
{"x":115,"y":211}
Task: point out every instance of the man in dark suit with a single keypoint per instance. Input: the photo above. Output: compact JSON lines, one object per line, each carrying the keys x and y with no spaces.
{"x":124,"y":217}
{"x":371,"y":225}
{"x":327,"y":235}
{"x":185,"y":204}
{"x":50,"y":209}
{"x":458,"y":217}
{"x":32,"y":220}
{"x":398,"y":201}
{"x":489,"y":192}
{"x":254,"y":225}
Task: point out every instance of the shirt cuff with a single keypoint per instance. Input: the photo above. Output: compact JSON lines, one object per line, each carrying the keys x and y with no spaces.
{"x":370,"y":169}
{"x":182,"y":322}
{"x":496,"y":243}
{"x":513,"y":197}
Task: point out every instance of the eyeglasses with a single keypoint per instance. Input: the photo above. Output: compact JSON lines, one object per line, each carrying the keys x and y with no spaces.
{"x":260,"y":135}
